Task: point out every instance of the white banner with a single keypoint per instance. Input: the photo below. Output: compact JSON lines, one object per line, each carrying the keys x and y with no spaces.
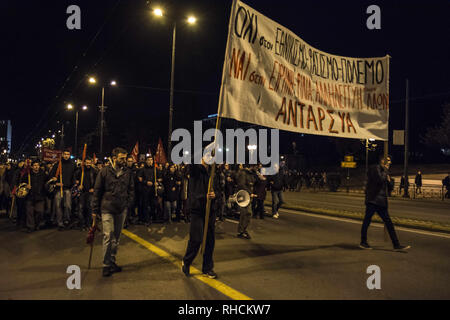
{"x":273,"y":78}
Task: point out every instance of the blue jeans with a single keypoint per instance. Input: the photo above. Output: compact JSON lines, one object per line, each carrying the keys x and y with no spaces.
{"x":112,"y":228}
{"x":277,"y":201}
{"x":169,"y":209}
{"x":63,"y":214}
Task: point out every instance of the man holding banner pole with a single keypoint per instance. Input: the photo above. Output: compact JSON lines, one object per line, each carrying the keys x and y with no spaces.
{"x":200,"y":193}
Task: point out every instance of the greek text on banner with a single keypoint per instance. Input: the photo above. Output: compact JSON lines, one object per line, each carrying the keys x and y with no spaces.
{"x":273,"y":78}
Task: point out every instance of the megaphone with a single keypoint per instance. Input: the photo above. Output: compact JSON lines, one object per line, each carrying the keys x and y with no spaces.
{"x":241,"y":198}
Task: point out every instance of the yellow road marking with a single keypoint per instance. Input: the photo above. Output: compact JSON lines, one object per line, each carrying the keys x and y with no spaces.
{"x":214,"y":283}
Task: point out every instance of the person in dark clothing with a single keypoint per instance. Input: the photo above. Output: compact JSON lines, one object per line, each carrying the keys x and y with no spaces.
{"x":276,"y":183}
{"x":446,"y":184}
{"x":171,"y":184}
{"x":63,"y":203}
{"x":260,"y":192}
{"x":229,"y":187}
{"x":184,"y":192}
{"x":19,"y":207}
{"x":197,"y":196}
{"x":378,"y":183}
{"x":35,"y":200}
{"x":113,"y":194}
{"x":418,"y":182}
{"x":86,"y":194}
{"x":220,"y":192}
{"x":131,"y":216}
{"x":146,"y":177}
{"x":244,"y":180}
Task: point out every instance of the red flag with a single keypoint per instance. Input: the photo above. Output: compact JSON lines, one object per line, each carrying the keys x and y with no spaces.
{"x":135,"y":152}
{"x":26,"y":168}
{"x":160,"y":155}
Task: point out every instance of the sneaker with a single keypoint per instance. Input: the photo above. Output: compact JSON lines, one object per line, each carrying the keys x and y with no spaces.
{"x":400,"y":247}
{"x":115,"y":268}
{"x":246,"y":235}
{"x":276,"y":215}
{"x":240,"y":235}
{"x":107,"y":271}
{"x":185,"y":268}
{"x":365,"y":246}
{"x":60,"y":228}
{"x":210,"y":274}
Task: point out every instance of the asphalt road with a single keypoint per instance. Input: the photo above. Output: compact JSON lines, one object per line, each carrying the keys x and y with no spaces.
{"x":432,"y":210}
{"x":299,"y":256}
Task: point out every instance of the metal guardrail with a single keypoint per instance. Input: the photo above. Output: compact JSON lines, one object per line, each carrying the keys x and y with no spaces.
{"x":430,"y":191}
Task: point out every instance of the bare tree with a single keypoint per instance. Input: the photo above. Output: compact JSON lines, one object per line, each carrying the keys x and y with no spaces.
{"x":439,"y":136}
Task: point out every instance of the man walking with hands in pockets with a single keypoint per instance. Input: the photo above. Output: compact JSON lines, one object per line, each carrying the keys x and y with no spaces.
{"x":113,"y":195}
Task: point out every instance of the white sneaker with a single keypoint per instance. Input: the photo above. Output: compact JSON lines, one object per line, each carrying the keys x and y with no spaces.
{"x":276,"y":215}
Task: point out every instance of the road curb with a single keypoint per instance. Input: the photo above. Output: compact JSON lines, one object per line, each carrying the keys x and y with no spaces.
{"x":398,"y":221}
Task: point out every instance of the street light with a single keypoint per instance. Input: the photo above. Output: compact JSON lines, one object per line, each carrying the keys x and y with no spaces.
{"x":158,"y":12}
{"x":370,"y":146}
{"x":191,"y":20}
{"x":113,"y":83}
{"x":251,"y":148}
{"x":71,"y":107}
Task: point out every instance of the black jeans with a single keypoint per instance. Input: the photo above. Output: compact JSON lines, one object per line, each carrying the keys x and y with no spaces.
{"x":384,"y":215}
{"x":259,"y":210}
{"x":85,"y":209}
{"x":196,"y":238}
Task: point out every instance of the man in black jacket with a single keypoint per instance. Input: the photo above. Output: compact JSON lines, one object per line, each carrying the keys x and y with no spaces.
{"x":197,"y":195}
{"x":378,"y":183}
{"x":244,"y":180}
{"x":146,"y":178}
{"x":171,"y":182}
{"x":68,"y":180}
{"x":86,"y":193}
{"x":113,"y":194}
{"x":35,"y":199}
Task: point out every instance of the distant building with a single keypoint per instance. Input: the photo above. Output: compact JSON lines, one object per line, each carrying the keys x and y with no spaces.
{"x":5,"y":136}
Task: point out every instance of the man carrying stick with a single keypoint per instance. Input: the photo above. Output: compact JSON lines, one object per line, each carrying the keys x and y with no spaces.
{"x":113,"y":195}
{"x":197,"y":196}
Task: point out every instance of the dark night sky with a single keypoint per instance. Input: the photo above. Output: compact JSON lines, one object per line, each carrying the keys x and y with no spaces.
{"x":39,"y":53}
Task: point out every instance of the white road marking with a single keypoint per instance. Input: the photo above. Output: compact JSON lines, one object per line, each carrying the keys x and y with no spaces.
{"x":376,"y":224}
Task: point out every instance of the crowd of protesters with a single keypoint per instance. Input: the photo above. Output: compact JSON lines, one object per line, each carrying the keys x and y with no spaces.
{"x":60,"y":194}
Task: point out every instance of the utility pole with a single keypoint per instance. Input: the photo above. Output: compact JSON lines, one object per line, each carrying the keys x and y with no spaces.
{"x":102,"y":111}
{"x":172,"y":80}
{"x":76,"y":135}
{"x":405,"y":170}
{"x":61,"y":144}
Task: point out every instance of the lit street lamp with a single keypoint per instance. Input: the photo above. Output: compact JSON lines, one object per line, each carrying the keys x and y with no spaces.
{"x":113,"y":83}
{"x":251,"y":148}
{"x":370,"y":146}
{"x":191,"y":20}
{"x":71,"y":107}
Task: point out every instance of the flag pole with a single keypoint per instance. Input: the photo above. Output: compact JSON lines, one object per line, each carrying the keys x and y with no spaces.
{"x":219,"y":111}
{"x":82,"y":164}
{"x":60,"y":177}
